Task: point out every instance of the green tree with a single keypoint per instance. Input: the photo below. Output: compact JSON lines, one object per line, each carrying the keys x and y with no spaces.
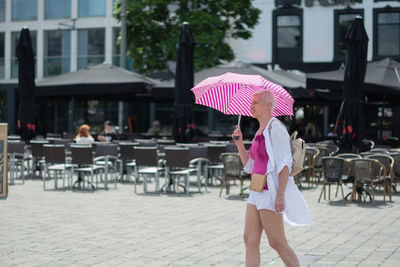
{"x":153,"y":28}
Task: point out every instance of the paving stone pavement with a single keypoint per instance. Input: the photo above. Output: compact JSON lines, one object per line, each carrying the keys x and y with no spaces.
{"x":120,"y":228}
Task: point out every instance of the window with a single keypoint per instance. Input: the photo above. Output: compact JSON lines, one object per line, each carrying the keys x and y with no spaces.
{"x":90,"y":47}
{"x":24,"y":10}
{"x":116,"y":47}
{"x":386,"y":33}
{"x":2,"y":10}
{"x":2,"y":45}
{"x":14,"y":59}
{"x":343,"y":20}
{"x":287,"y":35}
{"x":92,"y":8}
{"x":288,"y":28}
{"x":57,"y":48}
{"x":57,"y":9}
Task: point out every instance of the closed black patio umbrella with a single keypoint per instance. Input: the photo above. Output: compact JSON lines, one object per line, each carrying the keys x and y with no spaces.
{"x":183,"y":83}
{"x":350,"y":121}
{"x":27,"y":111}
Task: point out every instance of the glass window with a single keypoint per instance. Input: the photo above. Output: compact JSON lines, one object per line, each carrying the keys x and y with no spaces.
{"x":343,"y":22}
{"x":57,"y":48}
{"x":2,"y":10}
{"x":3,"y":106}
{"x":24,"y":9}
{"x":2,"y":45}
{"x":288,"y":31}
{"x":90,"y":47}
{"x":14,"y":59}
{"x":57,"y":9}
{"x":388,"y":30}
{"x":92,"y":8}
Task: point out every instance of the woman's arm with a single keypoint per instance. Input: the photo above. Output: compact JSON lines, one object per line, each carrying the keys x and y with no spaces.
{"x":244,"y":156}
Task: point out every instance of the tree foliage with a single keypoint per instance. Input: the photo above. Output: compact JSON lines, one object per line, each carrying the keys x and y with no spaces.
{"x":153,"y":28}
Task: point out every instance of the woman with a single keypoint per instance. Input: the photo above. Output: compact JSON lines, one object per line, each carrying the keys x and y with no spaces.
{"x":280,"y":200}
{"x":84,"y":137}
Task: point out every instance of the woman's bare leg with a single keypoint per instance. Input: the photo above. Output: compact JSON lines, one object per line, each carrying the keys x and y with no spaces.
{"x":252,"y":236}
{"x":273,"y":226}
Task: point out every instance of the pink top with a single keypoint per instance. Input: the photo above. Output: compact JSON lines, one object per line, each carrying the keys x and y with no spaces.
{"x":258,"y":153}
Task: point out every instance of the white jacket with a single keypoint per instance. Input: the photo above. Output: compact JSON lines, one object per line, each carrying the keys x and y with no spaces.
{"x":296,"y":211}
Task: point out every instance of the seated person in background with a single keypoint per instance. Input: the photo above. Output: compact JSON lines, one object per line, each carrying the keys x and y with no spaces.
{"x":84,"y":137}
{"x":155,"y":129}
{"x":108,"y":132}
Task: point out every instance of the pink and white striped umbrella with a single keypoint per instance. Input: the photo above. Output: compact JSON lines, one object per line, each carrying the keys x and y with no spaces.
{"x":232,"y":93}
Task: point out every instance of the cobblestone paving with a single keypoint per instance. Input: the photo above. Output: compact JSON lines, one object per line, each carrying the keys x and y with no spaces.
{"x":120,"y":228}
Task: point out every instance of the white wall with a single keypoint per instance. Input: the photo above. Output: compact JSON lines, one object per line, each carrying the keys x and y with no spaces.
{"x":318,"y":32}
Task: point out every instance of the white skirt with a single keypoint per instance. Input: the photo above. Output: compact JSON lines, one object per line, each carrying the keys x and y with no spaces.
{"x":262,"y":200}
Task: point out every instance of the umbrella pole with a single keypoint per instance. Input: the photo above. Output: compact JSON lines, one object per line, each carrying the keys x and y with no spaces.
{"x":240,"y":116}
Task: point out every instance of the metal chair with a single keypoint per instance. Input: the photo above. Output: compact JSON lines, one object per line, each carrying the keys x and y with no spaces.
{"x":106,"y":155}
{"x":215,"y":166}
{"x":55,"y":161}
{"x":233,"y":170}
{"x":147,"y":165}
{"x":82,"y":163}
{"x":17,"y":159}
{"x":199,"y":161}
{"x":332,"y":169}
{"x":127,"y":157}
{"x":177,"y":164}
{"x":348,"y":172}
{"x":367,"y":172}
{"x":37,"y":155}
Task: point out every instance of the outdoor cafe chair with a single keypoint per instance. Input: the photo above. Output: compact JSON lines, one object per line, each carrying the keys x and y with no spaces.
{"x":323,"y":152}
{"x":147,"y":165}
{"x":106,"y":155}
{"x":199,"y":161}
{"x":332,"y":169}
{"x":55,"y":161}
{"x":396,"y":168}
{"x":83,"y":164}
{"x":126,"y":150}
{"x":17,"y":158}
{"x":388,"y":162}
{"x":177,"y":165}
{"x":348,"y":172}
{"x":37,"y":155}
{"x":233,"y":170}
{"x":310,"y":158}
{"x":368,"y":172}
{"x":215,"y":166}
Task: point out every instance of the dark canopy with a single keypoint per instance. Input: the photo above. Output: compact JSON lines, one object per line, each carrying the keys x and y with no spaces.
{"x":27,"y":112}
{"x":380,"y":77}
{"x":99,"y":81}
{"x":350,"y":121}
{"x":183,"y":83}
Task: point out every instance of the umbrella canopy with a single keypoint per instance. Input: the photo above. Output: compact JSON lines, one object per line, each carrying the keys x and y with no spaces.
{"x":27,"y":112}
{"x":380,"y":77}
{"x":183,"y":83}
{"x":350,"y":121}
{"x":232,"y":93}
{"x":95,"y":81}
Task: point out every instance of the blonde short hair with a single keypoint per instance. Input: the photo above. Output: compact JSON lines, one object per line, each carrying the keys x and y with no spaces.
{"x":267,"y":96}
